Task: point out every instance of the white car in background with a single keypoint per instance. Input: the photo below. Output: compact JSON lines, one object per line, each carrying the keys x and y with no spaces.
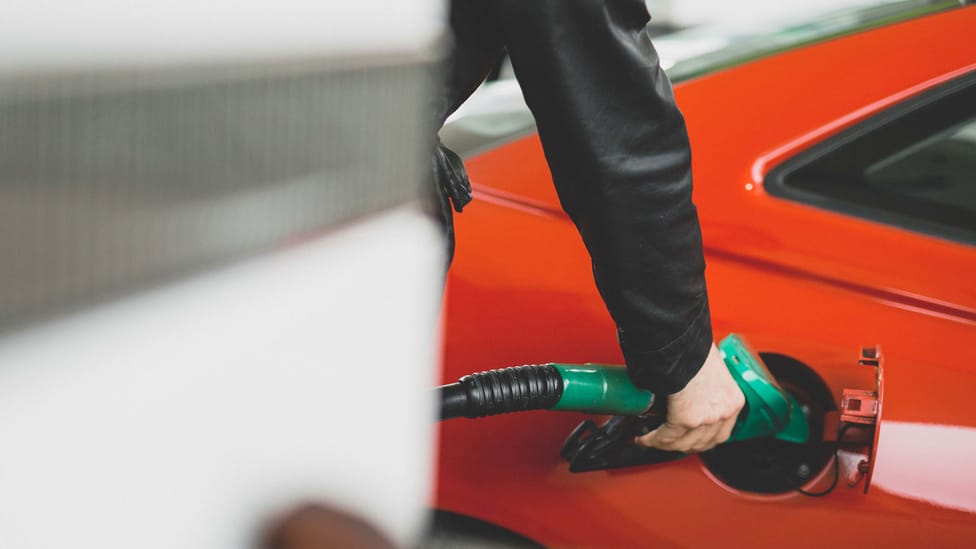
{"x":218,"y":292}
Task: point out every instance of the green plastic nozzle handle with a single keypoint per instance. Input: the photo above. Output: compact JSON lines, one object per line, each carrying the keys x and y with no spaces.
{"x":769,"y":409}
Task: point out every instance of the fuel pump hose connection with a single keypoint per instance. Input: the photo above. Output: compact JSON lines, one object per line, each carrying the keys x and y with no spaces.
{"x":587,"y":388}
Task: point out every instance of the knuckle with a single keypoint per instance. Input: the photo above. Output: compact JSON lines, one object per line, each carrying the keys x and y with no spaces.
{"x":706,"y":420}
{"x":734,"y":408}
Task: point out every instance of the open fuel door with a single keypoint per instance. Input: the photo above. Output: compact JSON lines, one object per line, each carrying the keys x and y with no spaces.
{"x":860,"y":417}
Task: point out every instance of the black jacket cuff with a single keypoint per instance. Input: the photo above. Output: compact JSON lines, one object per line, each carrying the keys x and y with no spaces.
{"x":667,"y":370}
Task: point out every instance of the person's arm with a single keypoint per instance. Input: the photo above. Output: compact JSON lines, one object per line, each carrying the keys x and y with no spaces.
{"x":619,"y":154}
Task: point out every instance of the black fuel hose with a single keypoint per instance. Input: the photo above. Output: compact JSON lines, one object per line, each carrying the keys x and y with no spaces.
{"x":516,"y":389}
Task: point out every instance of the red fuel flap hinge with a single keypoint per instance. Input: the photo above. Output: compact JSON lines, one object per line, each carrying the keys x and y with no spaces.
{"x":860,"y":414}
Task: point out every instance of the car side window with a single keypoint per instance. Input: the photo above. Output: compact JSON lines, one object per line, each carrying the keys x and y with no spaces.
{"x":913,"y":166}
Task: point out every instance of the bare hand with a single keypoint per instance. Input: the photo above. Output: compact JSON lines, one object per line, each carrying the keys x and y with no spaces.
{"x":702,"y":414}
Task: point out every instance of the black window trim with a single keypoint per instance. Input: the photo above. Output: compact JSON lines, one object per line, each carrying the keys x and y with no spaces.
{"x":775,"y":184}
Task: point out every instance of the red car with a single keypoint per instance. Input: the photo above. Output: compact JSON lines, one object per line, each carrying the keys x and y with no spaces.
{"x":835,"y":175}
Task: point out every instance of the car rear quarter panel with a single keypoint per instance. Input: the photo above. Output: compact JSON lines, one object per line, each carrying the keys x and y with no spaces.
{"x":795,"y":280}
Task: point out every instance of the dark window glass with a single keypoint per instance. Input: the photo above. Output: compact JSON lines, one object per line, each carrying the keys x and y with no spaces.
{"x":914,"y":166}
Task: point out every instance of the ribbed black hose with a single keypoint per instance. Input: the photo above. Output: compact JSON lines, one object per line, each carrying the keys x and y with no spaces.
{"x":502,"y":391}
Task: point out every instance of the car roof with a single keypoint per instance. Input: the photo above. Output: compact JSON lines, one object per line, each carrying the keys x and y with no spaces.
{"x":746,"y":112}
{"x":708,"y":48}
{"x":497,"y":113}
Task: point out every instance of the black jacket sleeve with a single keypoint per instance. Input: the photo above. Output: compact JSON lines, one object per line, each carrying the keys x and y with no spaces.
{"x":618,"y":151}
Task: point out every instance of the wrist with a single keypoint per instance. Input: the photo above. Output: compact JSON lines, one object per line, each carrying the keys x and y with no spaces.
{"x":668,"y":370}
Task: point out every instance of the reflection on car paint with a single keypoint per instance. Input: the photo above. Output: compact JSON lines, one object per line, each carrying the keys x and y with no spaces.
{"x":924,"y":461}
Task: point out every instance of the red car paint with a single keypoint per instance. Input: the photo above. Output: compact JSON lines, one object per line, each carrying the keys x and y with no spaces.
{"x":796,"y":280}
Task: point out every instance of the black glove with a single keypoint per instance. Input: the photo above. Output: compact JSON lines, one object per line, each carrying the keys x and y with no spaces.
{"x":452,"y":178}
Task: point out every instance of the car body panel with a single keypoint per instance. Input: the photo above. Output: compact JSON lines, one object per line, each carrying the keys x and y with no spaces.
{"x":796,"y":280}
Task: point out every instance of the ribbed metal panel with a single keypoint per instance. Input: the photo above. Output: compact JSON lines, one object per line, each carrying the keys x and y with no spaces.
{"x":108,"y":185}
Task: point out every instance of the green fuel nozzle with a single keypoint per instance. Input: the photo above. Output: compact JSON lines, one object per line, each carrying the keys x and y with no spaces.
{"x":769,"y":411}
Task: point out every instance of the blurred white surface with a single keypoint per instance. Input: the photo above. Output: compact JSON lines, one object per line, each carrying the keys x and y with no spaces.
{"x":687,"y":13}
{"x":183,"y":417}
{"x":59,"y":35}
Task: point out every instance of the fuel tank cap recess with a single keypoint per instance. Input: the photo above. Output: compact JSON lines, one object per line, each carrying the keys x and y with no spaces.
{"x":772,"y":466}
